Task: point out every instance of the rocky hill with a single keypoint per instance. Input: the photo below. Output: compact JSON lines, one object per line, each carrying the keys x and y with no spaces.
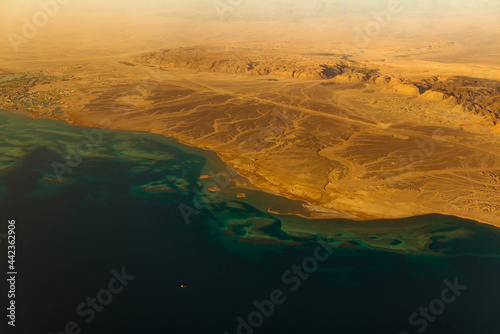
{"x":479,"y":96}
{"x":248,"y":62}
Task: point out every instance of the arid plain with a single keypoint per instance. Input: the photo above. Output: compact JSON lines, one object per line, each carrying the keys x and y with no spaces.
{"x":401,"y":123}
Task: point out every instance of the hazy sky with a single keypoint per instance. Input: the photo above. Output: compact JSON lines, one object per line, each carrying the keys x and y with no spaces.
{"x":257,"y":9}
{"x":211,"y":21}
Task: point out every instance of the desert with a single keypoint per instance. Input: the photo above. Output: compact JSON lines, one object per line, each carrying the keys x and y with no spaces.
{"x":365,"y":128}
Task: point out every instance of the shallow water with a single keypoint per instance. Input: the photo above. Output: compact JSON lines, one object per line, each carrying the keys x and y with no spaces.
{"x":119,"y":207}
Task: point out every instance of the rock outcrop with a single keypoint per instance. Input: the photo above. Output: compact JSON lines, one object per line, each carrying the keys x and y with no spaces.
{"x":479,"y":96}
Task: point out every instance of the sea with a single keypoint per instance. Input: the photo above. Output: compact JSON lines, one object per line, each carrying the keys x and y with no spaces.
{"x":117,"y":232}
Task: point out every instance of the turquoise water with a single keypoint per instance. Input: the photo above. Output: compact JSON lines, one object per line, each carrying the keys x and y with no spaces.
{"x":119,"y":202}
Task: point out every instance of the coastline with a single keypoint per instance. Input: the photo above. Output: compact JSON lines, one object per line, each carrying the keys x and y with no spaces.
{"x":323,"y":213}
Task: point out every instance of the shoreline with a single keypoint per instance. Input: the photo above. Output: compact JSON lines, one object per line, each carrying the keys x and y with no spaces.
{"x":324,"y":213}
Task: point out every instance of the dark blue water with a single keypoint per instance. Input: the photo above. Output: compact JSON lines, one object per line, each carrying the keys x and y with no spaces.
{"x":103,"y":217}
